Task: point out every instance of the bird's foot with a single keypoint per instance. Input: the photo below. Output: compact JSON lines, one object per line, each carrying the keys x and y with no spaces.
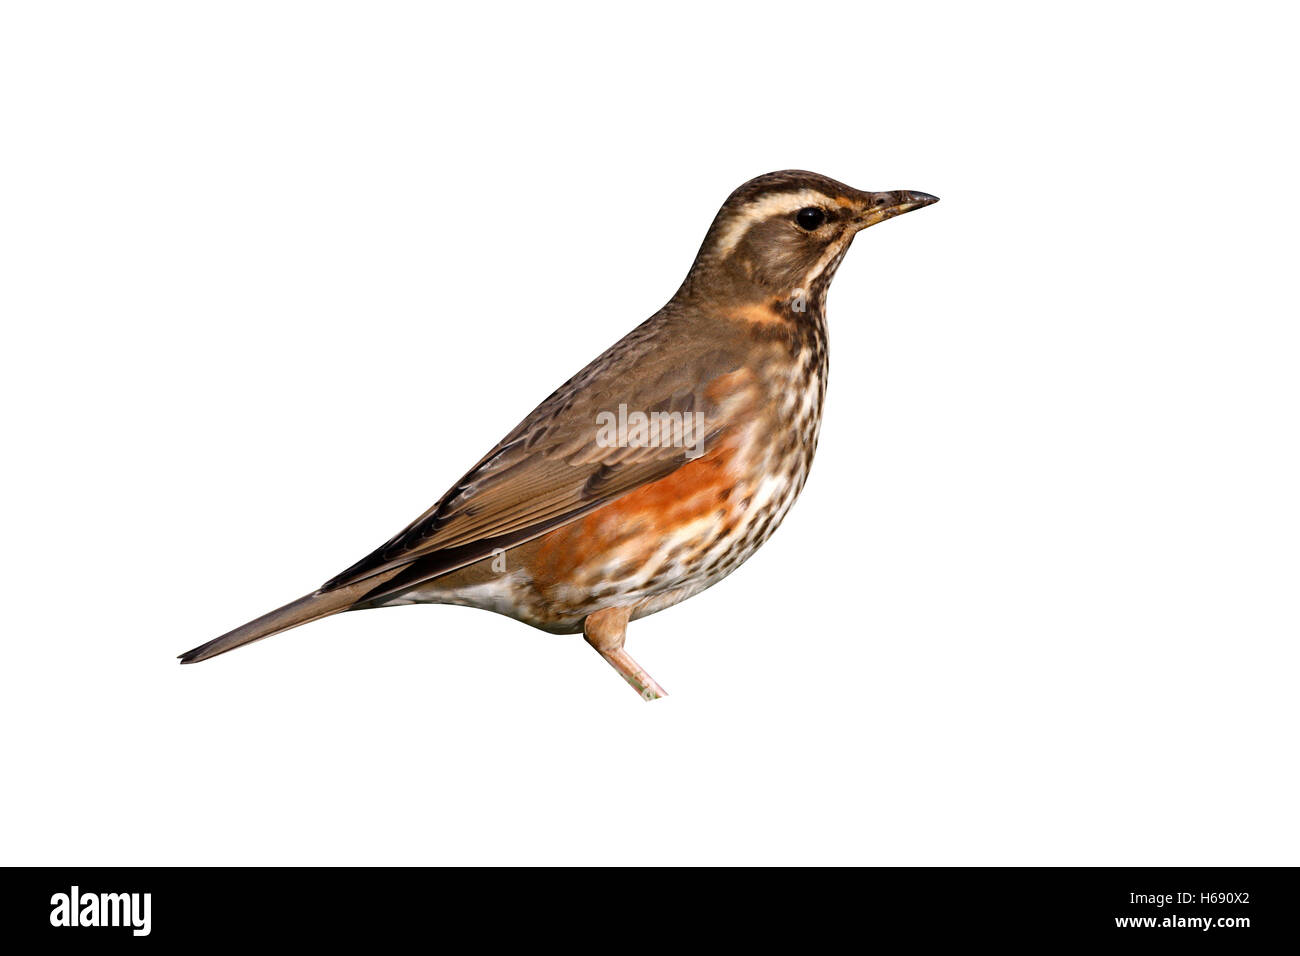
{"x":605,"y":631}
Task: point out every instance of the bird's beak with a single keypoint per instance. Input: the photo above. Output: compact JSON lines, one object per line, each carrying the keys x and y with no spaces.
{"x":877,"y":207}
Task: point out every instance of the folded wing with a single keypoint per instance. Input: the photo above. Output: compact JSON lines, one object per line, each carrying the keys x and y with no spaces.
{"x":557,"y":465}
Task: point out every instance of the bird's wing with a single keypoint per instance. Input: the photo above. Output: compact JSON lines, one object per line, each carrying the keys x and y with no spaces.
{"x":555,"y":466}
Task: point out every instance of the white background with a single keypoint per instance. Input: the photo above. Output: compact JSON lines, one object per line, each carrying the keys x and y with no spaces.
{"x":275,"y":275}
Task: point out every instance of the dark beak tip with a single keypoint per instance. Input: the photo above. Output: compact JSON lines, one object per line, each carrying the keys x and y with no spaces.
{"x":921,"y":199}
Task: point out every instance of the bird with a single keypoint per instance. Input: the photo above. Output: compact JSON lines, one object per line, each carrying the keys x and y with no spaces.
{"x":661,"y":466}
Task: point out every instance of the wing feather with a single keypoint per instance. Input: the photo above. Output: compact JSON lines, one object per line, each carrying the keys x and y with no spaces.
{"x":552,"y":469}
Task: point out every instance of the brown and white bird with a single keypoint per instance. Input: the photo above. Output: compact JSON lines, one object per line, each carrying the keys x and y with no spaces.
{"x":659,"y":468}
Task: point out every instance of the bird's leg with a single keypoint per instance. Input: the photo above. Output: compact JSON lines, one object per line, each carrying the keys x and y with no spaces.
{"x":605,"y":631}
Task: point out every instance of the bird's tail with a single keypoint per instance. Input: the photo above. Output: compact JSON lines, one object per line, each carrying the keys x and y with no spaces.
{"x":313,"y":607}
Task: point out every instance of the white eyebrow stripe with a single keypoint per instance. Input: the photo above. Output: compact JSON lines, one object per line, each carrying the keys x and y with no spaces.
{"x":759,"y":209}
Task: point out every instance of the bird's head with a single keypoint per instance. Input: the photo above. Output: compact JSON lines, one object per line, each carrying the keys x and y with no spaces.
{"x":788,"y":231}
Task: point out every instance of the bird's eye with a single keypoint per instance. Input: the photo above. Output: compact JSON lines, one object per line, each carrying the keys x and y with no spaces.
{"x":810,"y":217}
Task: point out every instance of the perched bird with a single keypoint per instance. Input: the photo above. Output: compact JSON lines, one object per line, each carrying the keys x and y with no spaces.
{"x":659,"y":468}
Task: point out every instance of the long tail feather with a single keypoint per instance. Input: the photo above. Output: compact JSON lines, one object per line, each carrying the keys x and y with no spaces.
{"x":313,"y":607}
